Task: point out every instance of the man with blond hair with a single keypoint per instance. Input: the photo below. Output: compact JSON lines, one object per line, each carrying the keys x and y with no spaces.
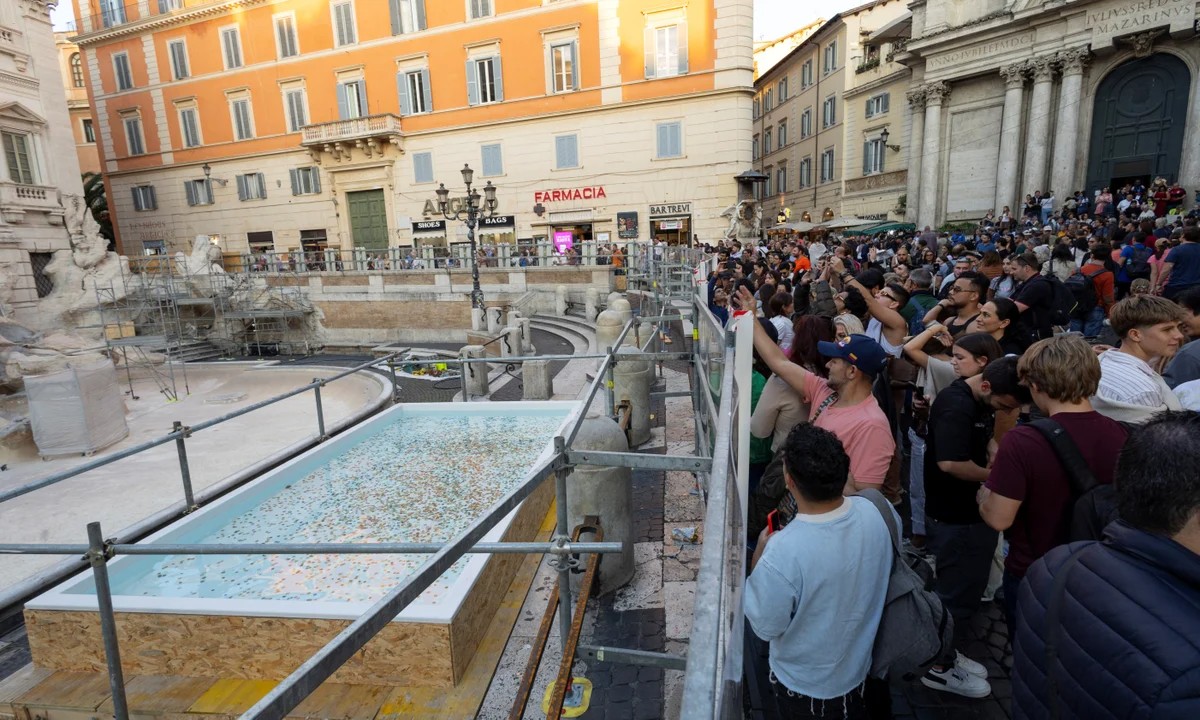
{"x":1028,"y":492}
{"x":1131,"y":390}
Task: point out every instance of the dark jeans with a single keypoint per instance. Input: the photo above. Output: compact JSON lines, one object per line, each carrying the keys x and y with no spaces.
{"x":1091,"y":325}
{"x":1011,"y":586}
{"x":964,"y":559}
{"x":1171,"y":293}
{"x":850,"y":706}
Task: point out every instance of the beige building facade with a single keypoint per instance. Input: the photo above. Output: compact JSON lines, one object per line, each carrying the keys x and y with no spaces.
{"x":39,"y":176}
{"x":74,"y":78}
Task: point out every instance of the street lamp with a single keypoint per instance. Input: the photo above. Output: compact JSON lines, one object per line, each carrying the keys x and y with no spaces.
{"x":475,"y":209}
{"x":884,"y":137}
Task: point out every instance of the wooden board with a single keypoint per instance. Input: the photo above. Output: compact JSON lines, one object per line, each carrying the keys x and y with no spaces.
{"x":67,"y":690}
{"x":159,"y":695}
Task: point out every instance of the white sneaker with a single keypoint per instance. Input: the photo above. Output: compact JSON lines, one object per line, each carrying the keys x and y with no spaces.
{"x":969,"y":666}
{"x":954,"y":680}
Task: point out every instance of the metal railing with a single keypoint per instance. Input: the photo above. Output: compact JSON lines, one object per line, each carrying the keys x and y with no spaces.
{"x":714,"y":662}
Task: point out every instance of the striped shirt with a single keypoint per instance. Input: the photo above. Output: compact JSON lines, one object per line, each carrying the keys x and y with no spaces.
{"x":1129,"y":380}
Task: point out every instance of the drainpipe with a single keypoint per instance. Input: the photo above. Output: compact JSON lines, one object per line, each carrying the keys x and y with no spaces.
{"x":818,"y":71}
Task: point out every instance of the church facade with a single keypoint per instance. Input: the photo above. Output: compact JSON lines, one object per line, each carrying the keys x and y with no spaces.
{"x":1012,"y":96}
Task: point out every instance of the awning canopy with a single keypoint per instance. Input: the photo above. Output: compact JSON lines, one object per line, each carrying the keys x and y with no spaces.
{"x":901,"y":27}
{"x":881,"y":228}
{"x":846,"y":222}
{"x":798,"y":226}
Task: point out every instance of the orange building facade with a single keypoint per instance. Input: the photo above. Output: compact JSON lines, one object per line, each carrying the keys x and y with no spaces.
{"x":330,"y":123}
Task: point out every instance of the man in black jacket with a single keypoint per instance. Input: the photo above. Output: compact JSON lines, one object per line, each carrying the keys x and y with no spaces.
{"x":1108,"y":629}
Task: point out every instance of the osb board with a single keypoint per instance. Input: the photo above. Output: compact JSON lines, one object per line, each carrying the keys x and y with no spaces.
{"x":237,"y":647}
{"x":159,"y":695}
{"x":19,"y":683}
{"x":231,"y":698}
{"x":473,"y":616}
{"x":68,"y":690}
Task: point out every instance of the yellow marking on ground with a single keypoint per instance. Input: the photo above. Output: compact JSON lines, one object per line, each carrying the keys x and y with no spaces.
{"x":232,"y":696}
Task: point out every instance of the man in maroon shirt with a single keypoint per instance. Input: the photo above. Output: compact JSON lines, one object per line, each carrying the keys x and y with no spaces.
{"x":1028,"y":493}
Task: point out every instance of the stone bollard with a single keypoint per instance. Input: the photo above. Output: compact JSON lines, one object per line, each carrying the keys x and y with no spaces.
{"x":526,"y":334}
{"x":591,"y":300}
{"x":477,"y":320}
{"x":560,"y":300}
{"x":510,"y":342}
{"x":623,"y":309}
{"x":631,"y":381}
{"x":613,"y":297}
{"x":536,"y":381}
{"x":606,"y":492}
{"x":493,"y":320}
{"x":608,"y":327}
{"x":475,"y":375}
{"x":645,"y":335}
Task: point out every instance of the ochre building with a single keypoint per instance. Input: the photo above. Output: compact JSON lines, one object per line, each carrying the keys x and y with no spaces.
{"x":330,"y":123}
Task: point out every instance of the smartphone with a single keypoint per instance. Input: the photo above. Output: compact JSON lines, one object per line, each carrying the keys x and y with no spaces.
{"x":772,"y":522}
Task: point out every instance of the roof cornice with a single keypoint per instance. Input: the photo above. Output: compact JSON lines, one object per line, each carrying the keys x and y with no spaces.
{"x":155,"y":22}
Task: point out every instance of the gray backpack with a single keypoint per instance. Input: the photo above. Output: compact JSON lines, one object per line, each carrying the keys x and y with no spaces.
{"x":915,"y":628}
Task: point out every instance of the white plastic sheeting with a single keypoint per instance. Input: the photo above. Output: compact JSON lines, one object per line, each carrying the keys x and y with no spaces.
{"x":77,"y":409}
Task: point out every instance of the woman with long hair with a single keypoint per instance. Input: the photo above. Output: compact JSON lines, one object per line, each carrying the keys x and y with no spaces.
{"x":1104,"y":203}
{"x":1004,"y":284}
{"x":999,"y":318}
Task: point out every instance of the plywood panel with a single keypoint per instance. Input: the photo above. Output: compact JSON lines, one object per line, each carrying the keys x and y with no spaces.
{"x":67,"y":690}
{"x":159,"y":695}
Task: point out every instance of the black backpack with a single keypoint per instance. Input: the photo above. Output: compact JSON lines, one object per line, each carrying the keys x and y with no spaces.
{"x":1139,"y":262}
{"x":1083,"y":289}
{"x":1093,"y":505}
{"x":1062,"y":301}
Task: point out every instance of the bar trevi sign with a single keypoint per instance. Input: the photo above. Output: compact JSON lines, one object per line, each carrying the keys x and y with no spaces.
{"x":671,"y":210}
{"x":1113,"y":19}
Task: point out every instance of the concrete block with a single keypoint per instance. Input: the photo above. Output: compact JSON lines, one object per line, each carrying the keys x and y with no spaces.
{"x":536,"y":381}
{"x":475,"y":378}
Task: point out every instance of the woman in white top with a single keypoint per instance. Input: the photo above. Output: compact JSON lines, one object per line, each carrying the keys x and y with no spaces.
{"x":780,"y":308}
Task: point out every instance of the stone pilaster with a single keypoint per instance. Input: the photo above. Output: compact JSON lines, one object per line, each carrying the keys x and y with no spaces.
{"x":1014,"y":76}
{"x":936,"y":94}
{"x":1066,"y":132}
{"x":916,"y":143}
{"x":1037,"y":149}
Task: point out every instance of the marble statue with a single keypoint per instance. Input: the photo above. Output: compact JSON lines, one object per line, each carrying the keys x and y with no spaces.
{"x":745,"y":221}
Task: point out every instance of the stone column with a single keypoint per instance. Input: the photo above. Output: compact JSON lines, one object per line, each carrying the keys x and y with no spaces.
{"x":916,"y":146}
{"x":1010,"y":138}
{"x":1037,"y":149}
{"x":1066,"y":131}
{"x":935,"y":95}
{"x":1189,"y":163}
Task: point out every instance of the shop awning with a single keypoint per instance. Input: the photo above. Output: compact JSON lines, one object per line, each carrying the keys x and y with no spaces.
{"x":798,"y":226}
{"x":846,"y":222}
{"x":881,"y":228}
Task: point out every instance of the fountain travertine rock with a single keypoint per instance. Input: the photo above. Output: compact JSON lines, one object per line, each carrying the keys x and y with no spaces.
{"x":76,"y":273}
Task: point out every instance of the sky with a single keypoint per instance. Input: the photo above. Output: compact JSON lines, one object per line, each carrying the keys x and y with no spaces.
{"x":772,"y":18}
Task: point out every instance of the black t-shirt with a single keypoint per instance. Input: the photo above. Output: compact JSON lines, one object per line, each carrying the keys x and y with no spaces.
{"x":1038,"y":294}
{"x":959,"y":429}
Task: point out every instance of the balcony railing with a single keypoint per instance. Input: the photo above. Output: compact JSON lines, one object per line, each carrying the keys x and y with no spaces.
{"x":372,"y":126}
{"x":16,"y":200}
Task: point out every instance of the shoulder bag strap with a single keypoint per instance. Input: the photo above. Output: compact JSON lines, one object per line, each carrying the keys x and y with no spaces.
{"x":1078,"y":472}
{"x":1054,"y":628}
{"x":884,"y":506}
{"x":833,"y":397}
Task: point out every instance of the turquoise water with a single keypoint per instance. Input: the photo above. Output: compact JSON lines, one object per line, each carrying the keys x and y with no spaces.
{"x":417,"y":479}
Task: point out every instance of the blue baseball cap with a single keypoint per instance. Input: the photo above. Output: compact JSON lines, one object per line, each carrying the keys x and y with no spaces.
{"x":859,"y":350}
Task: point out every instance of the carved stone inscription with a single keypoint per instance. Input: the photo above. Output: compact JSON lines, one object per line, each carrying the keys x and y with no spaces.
{"x":1114,"y":19}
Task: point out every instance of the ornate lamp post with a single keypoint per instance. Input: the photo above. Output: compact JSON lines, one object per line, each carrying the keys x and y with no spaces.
{"x":474,"y":210}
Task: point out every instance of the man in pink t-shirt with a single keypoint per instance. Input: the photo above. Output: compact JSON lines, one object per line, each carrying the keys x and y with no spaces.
{"x":843,"y":404}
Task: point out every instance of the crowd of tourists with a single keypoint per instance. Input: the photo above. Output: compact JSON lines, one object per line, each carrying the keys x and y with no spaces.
{"x":1026,"y":399}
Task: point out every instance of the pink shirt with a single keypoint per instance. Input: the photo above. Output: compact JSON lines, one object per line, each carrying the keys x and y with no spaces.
{"x":862,"y":428}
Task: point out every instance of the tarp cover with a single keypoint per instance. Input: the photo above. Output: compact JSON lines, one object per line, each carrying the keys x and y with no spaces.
{"x":76,"y":410}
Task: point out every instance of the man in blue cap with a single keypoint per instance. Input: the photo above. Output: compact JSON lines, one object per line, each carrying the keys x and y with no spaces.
{"x":843,"y":404}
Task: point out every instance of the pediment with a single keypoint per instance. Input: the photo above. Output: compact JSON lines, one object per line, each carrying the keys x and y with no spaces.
{"x":16,"y":112}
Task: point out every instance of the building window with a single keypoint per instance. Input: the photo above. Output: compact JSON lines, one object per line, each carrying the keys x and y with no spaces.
{"x":189,"y":127}
{"x":166,"y":6}
{"x":806,"y":123}
{"x":485,"y":81}
{"x":144,"y":198}
{"x":783,"y":88}
{"x":154,"y":247}
{"x":133,"y":135}
{"x":252,"y":186}
{"x":76,"y":70}
{"x":344,"y":31}
{"x":89,"y":131}
{"x":423,"y":167}
{"x":754,"y":148}
{"x":666,"y":47}
{"x":805,"y":178}
{"x":305,"y":180}
{"x":18,"y":153}
{"x":479,"y":8}
{"x":829,"y":112}
{"x":198,"y":192}
{"x":243,"y":118}
{"x":873,"y":156}
{"x":295,"y":101}
{"x":782,"y":135}
{"x":669,"y":140}
{"x":564,"y":68}
{"x":493,"y":160}
{"x":285,"y":36}
{"x":121,"y":71}
{"x":415,"y":96}
{"x":768,"y":101}
{"x":781,"y":179}
{"x":42,"y":282}
{"x":112,"y":12}
{"x":827,"y":165}
{"x":566,"y":152}
{"x":757,"y":108}
{"x":877,"y":105}
{"x":806,"y":74}
{"x":260,"y":241}
{"x":179,"y":59}
{"x":352,"y":99}
{"x":767,"y":141}
{"x":407,"y":15}
{"x":231,"y":47}
{"x":831,"y":57}
{"x":768,"y":186}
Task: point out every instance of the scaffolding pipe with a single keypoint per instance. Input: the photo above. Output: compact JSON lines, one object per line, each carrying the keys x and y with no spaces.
{"x":97,"y":555}
{"x":185,"y":470}
{"x":320,"y":410}
{"x":564,"y":578}
{"x":490,"y":548}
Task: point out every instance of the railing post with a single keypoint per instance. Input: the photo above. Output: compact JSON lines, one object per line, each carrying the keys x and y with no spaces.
{"x":562,"y":534}
{"x":320,"y":410}
{"x":97,"y":556}
{"x":609,"y":387}
{"x":395,"y":387}
{"x":185,"y":471}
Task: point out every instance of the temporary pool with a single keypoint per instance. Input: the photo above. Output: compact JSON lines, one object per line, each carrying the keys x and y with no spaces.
{"x":416,"y":473}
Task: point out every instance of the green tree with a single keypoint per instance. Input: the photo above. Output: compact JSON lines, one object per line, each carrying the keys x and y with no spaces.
{"x":97,"y":202}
